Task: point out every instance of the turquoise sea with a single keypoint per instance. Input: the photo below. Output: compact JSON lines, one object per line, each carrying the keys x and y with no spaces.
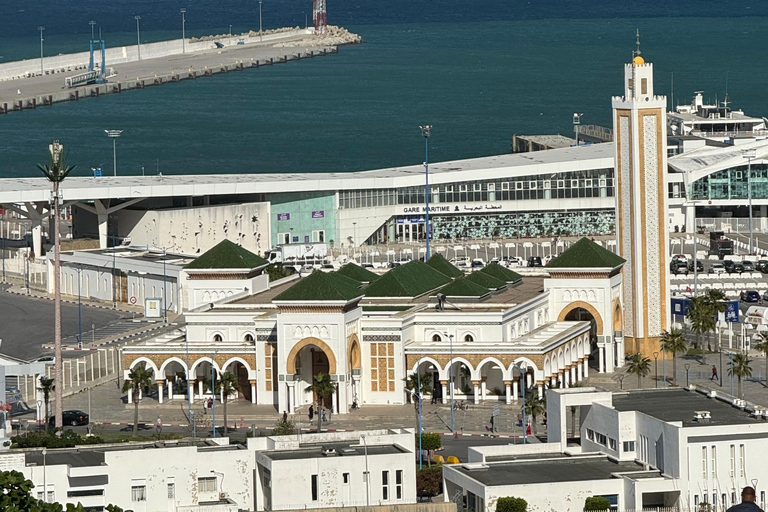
{"x":478,"y":71}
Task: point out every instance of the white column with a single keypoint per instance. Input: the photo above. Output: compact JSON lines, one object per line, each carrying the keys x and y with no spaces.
{"x":578,"y":371}
{"x":253,"y":391}
{"x":333,"y":402}
{"x":528,"y":380}
{"x":541,"y":389}
{"x":610,"y":352}
{"x":444,"y":385}
{"x":170,"y":389}
{"x":200,"y":388}
{"x":586,"y":367}
{"x":601,"y":353}
{"x":37,"y":237}
{"x":291,"y":397}
{"x":190,"y":391}
{"x":160,"y":391}
{"x":515,"y":389}
{"x":507,"y":392}
{"x":566,"y":378}
{"x":573,"y":373}
{"x":483,"y":388}
{"x":130,"y":396}
{"x":476,"y":391}
{"x":553,"y":381}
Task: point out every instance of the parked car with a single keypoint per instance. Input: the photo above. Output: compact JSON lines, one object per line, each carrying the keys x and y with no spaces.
{"x":749,"y":296}
{"x":535,"y":261}
{"x":678,"y":267}
{"x":748,"y":266}
{"x":73,"y":418}
{"x":732,"y":267}
{"x":765,"y":296}
{"x":478,"y":263}
{"x":762,"y":266}
{"x":716,"y":268}
{"x":46,"y":360}
{"x":699,"y":266}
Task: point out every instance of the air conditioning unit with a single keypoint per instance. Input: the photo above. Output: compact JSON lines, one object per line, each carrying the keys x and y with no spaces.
{"x":702,"y":416}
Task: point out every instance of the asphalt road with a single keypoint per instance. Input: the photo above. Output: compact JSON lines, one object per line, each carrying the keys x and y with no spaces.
{"x":26,"y":324}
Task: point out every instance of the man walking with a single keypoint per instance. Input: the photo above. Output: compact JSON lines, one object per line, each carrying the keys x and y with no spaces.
{"x":714,"y":373}
{"x":311,"y":412}
{"x":747,"y":504}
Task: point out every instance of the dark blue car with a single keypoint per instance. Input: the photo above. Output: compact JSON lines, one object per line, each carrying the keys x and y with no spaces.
{"x":750,"y":296}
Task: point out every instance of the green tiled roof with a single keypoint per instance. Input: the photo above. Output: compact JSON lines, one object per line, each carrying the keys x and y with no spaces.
{"x":320,"y":286}
{"x":409,"y":280}
{"x":486,"y":280}
{"x":357,"y":273}
{"x":586,"y":254}
{"x":225,"y":255}
{"x":463,"y":287}
{"x":438,"y":262}
{"x":499,"y":272}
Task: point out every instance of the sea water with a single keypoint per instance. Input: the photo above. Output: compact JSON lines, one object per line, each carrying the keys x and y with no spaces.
{"x":478,"y":71}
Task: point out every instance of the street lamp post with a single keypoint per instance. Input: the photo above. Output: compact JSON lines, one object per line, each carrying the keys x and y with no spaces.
{"x":656,"y":368}
{"x":749,"y":154}
{"x":621,"y":381}
{"x":114,"y":134}
{"x":41,"y":29}
{"x":45,"y":478}
{"x":450,"y":376}
{"x":138,"y":36}
{"x":79,"y":308}
{"x":261,"y":37}
{"x":213,"y":394}
{"x":523,"y":375}
{"x":183,"y":31}
{"x":426,"y":131}
{"x":418,"y":383}
{"x":92,"y":23}
{"x":687,"y":367}
{"x":165,"y":289}
{"x":114,"y":266}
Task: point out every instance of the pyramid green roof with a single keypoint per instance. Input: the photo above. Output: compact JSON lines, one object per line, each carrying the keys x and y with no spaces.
{"x":358,"y":273}
{"x":586,"y":254}
{"x":463,"y":287}
{"x":438,"y":262}
{"x":322,"y":286}
{"x":486,"y":280}
{"x":409,"y":280}
{"x":226,"y":255}
{"x":499,"y":272}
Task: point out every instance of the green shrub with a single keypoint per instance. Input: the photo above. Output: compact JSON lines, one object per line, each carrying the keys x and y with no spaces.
{"x":429,"y":481}
{"x":67,"y":439}
{"x":283,"y":428}
{"x":511,"y":504}
{"x":597,"y":503}
{"x":429,"y":441}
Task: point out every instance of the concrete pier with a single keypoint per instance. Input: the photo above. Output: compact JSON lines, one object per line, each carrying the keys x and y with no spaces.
{"x":45,"y":90}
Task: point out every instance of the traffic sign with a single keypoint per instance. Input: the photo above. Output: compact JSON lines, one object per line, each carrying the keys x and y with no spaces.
{"x":133,"y":300}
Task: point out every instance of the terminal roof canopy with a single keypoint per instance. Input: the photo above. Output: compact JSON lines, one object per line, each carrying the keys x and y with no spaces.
{"x":409,"y":280}
{"x":322,"y":286}
{"x":357,"y":273}
{"x":438,"y":262}
{"x":586,"y":254}
{"x":227,"y":255}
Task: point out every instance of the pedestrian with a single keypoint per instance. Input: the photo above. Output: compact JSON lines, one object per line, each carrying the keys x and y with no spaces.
{"x":528,"y":430}
{"x":205,"y":406}
{"x":285,"y":416}
{"x":714,"y":373}
{"x":330,"y":413}
{"x":748,"y":498}
{"x":159,"y":425}
{"x":520,"y":419}
{"x":323,"y":418}
{"x":311,"y":412}
{"x":493,"y":425}
{"x":210,"y":403}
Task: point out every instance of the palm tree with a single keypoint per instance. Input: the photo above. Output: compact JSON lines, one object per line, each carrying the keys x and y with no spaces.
{"x":418,"y":392}
{"x":322,"y":387}
{"x":739,"y":366}
{"x":56,"y":171}
{"x":534,"y":406}
{"x":138,"y":378}
{"x":702,"y":319}
{"x":226,"y":386}
{"x":674,"y":341}
{"x":639,"y":365}
{"x":762,"y":346}
{"x":716,"y":300}
{"x":47,"y":385}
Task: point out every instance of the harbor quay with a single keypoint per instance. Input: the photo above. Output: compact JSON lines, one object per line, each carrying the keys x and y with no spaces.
{"x":171,"y":61}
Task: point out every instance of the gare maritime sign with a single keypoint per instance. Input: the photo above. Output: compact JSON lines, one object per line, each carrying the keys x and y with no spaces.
{"x":454,"y":208}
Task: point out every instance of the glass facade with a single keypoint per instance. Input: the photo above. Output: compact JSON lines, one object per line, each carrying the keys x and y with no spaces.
{"x":511,"y":225}
{"x":565,"y":185}
{"x":732,"y":184}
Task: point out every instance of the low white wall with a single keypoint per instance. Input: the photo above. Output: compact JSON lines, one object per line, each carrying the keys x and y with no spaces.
{"x":72,"y":62}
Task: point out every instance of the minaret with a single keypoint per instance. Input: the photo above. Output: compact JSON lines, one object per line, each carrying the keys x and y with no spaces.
{"x":639,"y":125}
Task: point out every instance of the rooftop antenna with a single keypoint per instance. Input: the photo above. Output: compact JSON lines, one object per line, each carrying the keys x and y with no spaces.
{"x":673,"y":91}
{"x":637,"y":51}
{"x":727,"y":99}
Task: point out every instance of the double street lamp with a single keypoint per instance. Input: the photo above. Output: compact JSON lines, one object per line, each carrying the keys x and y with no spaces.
{"x":426,"y":131}
{"x":183,"y":31}
{"x":138,"y":36}
{"x":41,"y":29}
{"x":114,"y":134}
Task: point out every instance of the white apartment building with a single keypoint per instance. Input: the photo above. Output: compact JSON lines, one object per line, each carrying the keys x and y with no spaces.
{"x":209,"y":475}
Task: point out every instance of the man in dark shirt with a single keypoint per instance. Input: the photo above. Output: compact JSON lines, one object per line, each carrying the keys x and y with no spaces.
{"x":747,"y":504}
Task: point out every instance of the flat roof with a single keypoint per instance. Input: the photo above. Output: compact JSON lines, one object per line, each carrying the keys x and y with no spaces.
{"x":79,"y":188}
{"x":673,"y":405}
{"x":342,"y":450}
{"x":549,"y":470}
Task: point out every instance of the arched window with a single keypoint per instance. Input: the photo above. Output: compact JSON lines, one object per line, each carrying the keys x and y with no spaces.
{"x":436,"y":337}
{"x":249,"y":338}
{"x":217,"y":337}
{"x":469,"y":337}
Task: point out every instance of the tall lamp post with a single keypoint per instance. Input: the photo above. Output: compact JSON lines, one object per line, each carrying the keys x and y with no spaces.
{"x":79,"y":308}
{"x":138,"y":36}
{"x":524,"y":379}
{"x":41,"y":29}
{"x":749,"y":154}
{"x":183,"y":31}
{"x":114,"y":134}
{"x":450,"y":383}
{"x":426,"y":131}
{"x":213,"y":394}
{"x":45,"y":478}
{"x":656,"y":368}
{"x":92,"y":23}
{"x":687,"y":367}
{"x":418,"y":384}
{"x":261,"y":37}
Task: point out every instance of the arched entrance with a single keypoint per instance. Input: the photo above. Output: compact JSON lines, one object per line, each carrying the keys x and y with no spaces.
{"x":584,"y":311}
{"x":308,"y":358}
